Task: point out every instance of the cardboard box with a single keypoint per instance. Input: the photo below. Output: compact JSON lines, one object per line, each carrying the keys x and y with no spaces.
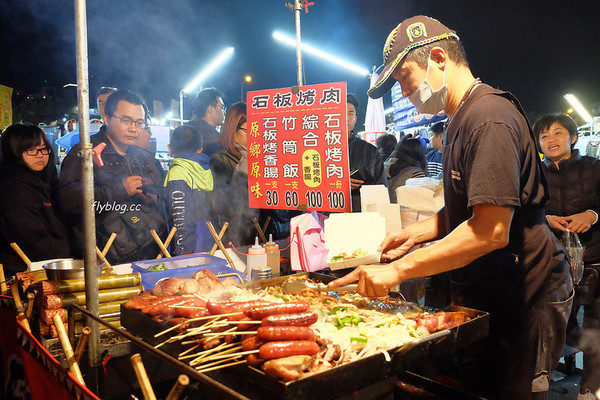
{"x":348,"y":232}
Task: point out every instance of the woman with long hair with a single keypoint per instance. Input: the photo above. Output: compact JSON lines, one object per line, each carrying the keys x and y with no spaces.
{"x":410,"y":163}
{"x":229,"y":197}
{"x":28,"y":201}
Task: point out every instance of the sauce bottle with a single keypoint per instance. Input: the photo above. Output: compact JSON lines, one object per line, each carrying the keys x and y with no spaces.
{"x":273,"y":255}
{"x":257,"y":257}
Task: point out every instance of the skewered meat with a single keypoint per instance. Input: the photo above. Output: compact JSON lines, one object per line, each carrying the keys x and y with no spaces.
{"x":287,"y":368}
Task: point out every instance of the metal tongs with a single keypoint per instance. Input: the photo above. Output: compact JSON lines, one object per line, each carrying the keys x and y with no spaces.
{"x":297,"y":285}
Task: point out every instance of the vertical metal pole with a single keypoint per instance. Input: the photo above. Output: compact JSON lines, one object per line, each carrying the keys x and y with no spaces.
{"x":181,"y":94}
{"x":297,"y":9}
{"x":89,"y":223}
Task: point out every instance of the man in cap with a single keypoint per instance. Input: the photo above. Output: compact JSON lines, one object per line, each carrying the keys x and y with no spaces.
{"x":491,"y":233}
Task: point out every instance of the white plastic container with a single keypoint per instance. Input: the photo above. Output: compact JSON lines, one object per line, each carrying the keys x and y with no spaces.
{"x":257,"y":256}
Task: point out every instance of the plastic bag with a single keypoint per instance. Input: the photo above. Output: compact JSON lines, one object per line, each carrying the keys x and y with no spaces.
{"x":575,"y":250}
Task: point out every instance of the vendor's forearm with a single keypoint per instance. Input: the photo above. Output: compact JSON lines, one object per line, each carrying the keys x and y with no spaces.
{"x":470,"y":240}
{"x":430,"y":229}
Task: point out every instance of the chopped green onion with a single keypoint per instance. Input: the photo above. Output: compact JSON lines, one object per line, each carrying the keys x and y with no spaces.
{"x":358,"y":339}
{"x":336,"y":309}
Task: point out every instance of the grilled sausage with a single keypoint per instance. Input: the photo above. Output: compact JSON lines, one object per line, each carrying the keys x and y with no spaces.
{"x":301,"y":319}
{"x":287,"y":348}
{"x":292,"y":307}
{"x":277,"y":333}
{"x":227,"y":307}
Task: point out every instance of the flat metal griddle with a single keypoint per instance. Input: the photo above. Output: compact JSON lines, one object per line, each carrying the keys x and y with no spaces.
{"x":341,"y":381}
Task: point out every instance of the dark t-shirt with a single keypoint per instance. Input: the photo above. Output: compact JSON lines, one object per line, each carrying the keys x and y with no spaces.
{"x":490,"y":158}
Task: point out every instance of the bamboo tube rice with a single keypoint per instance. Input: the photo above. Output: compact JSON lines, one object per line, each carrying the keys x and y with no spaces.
{"x":54,"y":301}
{"x":78,"y":285}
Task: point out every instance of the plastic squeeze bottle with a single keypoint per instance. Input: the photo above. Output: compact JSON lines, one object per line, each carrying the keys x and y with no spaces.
{"x":273,"y":255}
{"x":257,"y":258}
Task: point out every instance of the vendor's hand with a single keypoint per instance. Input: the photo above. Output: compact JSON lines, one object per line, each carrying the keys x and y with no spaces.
{"x":395,"y":245}
{"x":355,"y":183}
{"x":580,"y":222}
{"x":373,"y":281}
{"x":132,"y":184}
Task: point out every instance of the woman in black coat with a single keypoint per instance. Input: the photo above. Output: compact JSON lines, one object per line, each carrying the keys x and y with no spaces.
{"x":28,"y":199}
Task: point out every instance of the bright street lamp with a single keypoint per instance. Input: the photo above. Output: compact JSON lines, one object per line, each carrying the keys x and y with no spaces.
{"x":576,"y":104}
{"x":309,"y":49}
{"x":214,"y":64}
{"x":247,"y":79}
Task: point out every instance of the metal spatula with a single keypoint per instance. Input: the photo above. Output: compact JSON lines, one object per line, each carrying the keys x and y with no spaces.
{"x":296,"y":286}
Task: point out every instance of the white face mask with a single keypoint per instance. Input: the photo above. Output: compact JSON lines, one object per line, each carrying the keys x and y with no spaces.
{"x":428,"y":101}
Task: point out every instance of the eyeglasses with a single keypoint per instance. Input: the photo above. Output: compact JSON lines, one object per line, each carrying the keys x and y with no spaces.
{"x":34,"y":152}
{"x":220,"y":105}
{"x":126,"y":121}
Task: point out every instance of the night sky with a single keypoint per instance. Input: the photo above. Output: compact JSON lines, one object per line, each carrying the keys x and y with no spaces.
{"x":537,"y":49}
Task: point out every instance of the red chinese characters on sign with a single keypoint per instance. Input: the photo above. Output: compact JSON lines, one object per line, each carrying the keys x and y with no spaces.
{"x":298,"y":148}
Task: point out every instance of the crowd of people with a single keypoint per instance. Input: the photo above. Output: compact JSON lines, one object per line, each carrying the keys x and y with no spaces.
{"x":497,"y":237}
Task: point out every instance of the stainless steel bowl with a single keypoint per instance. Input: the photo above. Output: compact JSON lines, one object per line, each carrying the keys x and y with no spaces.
{"x":69,"y":269}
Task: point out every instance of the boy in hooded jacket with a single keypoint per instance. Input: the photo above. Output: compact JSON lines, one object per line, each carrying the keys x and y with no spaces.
{"x":188,"y":181}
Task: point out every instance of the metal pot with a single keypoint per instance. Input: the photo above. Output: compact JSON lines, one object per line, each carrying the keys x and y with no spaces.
{"x":69,"y":269}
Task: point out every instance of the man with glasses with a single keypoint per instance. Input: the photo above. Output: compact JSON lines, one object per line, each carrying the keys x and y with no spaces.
{"x":209,"y":112}
{"x":124,"y":182}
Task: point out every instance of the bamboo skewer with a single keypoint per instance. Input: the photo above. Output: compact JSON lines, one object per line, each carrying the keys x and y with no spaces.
{"x":18,"y":250}
{"x":238,"y":354}
{"x":259,"y":229}
{"x":168,"y":240}
{"x":183,"y":353}
{"x":109,"y":243}
{"x":68,"y":350}
{"x":142,"y":376}
{"x":29,"y":309}
{"x":3,"y":287}
{"x":221,"y":234}
{"x":213,"y":334}
{"x":160,"y":244}
{"x":212,"y":231}
{"x":206,"y":364}
{"x":222,"y":346}
{"x":102,"y":254}
{"x":266,"y":224}
{"x":201,"y":371}
{"x":180,"y":385}
{"x":83,"y":339}
{"x":244,"y":322}
{"x":203,"y":358}
{"x":19,"y":306}
{"x":215,"y":317}
{"x":102,"y":257}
